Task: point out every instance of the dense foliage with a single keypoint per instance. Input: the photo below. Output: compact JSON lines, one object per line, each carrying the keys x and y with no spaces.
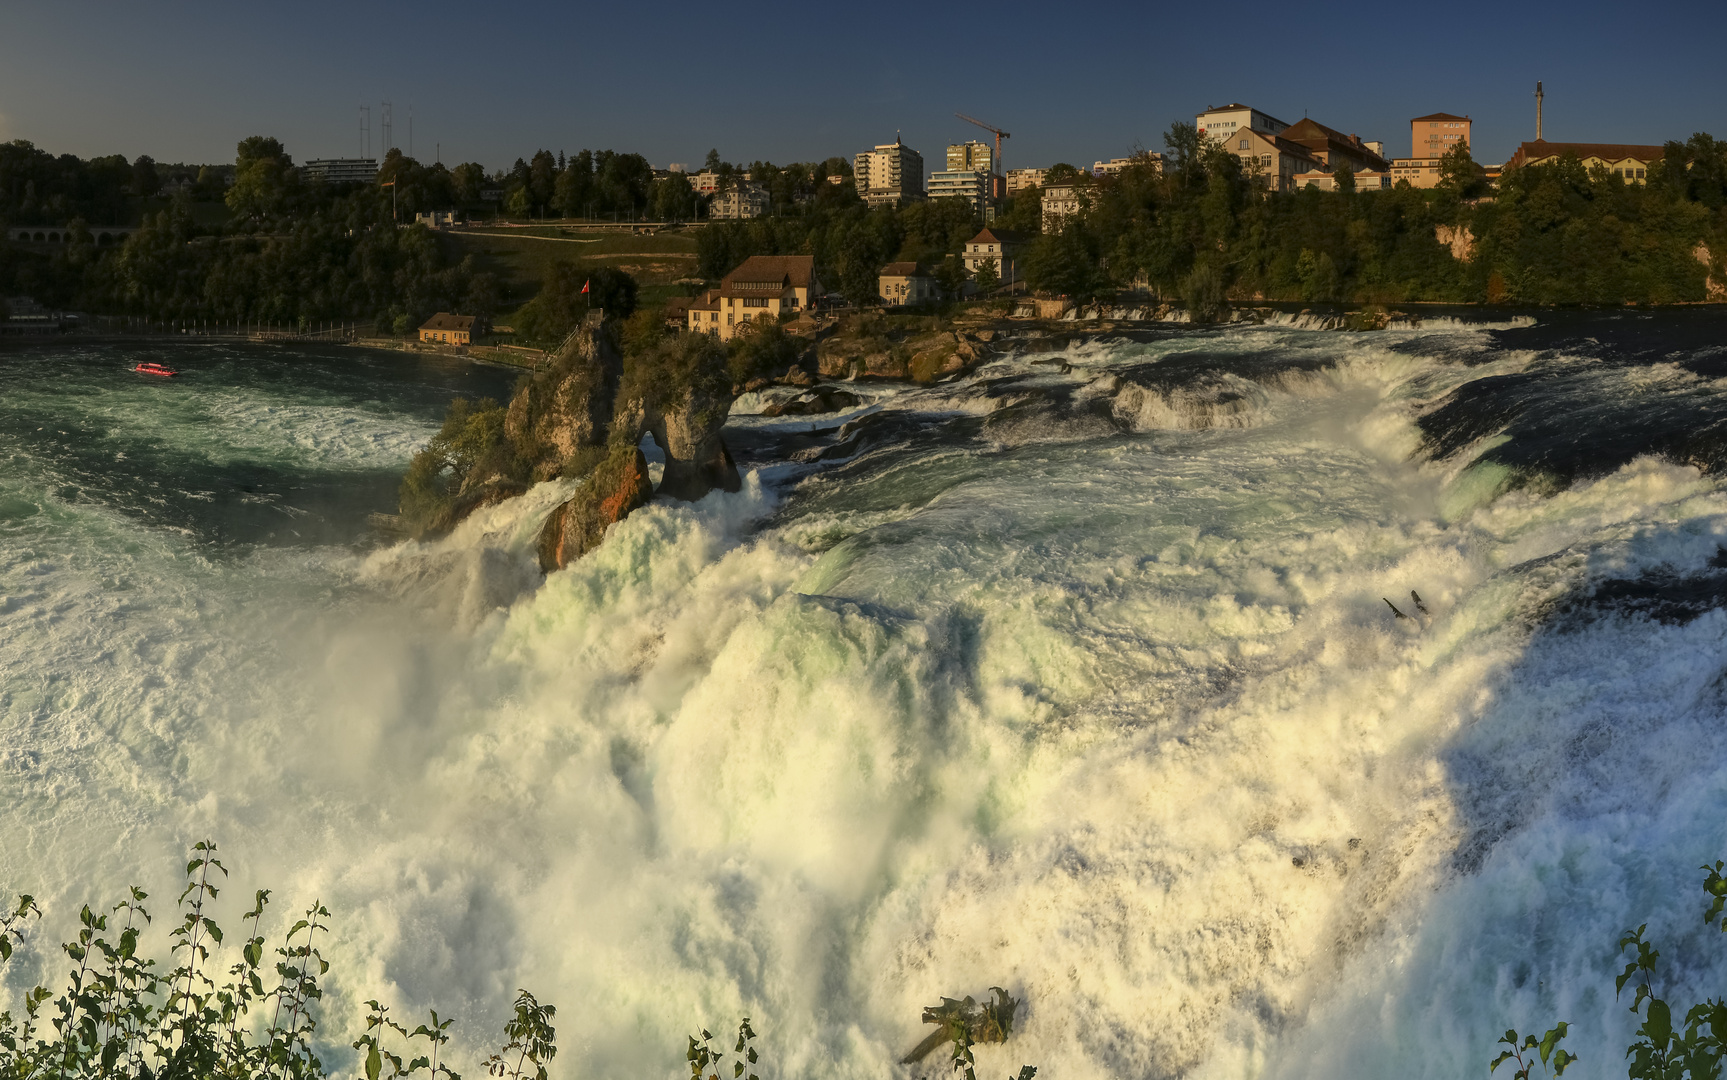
{"x":125,"y":1011}
{"x":562,"y":304}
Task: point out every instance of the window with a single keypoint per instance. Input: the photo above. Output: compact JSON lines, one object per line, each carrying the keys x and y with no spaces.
{"x":1243,"y":144}
{"x":755,"y":301}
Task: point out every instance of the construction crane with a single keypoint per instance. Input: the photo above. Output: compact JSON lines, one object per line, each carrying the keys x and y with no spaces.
{"x":999,"y":136}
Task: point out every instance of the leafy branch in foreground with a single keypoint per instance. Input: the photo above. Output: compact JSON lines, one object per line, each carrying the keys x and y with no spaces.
{"x":120,"y":1018}
{"x":1693,"y":1050}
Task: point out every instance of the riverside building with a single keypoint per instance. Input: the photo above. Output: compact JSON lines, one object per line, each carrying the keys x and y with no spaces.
{"x":1430,"y":138}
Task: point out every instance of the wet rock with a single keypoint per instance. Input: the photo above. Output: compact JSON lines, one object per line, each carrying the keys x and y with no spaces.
{"x":825,"y":401}
{"x":566,"y":406}
{"x":798,"y":377}
{"x":611,"y":492}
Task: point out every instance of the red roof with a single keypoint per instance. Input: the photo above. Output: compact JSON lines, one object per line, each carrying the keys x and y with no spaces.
{"x":1438,"y":116}
{"x":1541,"y":149}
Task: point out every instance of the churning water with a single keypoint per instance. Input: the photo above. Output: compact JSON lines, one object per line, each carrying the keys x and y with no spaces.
{"x":1072,"y":677}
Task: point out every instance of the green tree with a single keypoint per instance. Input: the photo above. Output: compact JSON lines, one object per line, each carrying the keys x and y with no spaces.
{"x":1063,"y":264}
{"x":145,"y":180}
{"x":467,"y":180}
{"x":1344,"y":178}
{"x":263,"y":174}
{"x":987,"y":277}
{"x":1458,"y":172}
{"x":542,"y":179}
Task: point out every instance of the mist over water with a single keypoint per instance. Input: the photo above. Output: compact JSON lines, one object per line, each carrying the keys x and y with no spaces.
{"x":1072,"y":677}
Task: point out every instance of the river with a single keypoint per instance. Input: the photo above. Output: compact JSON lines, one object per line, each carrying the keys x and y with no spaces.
{"x":1075,"y":676}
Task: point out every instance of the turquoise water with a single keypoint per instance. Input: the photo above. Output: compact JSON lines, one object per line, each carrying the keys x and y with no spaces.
{"x":1080,"y":684}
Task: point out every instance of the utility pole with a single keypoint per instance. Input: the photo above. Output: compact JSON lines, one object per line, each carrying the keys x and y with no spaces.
{"x":1538,"y":96}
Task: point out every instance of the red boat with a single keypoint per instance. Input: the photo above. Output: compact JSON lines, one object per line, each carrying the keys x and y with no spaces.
{"x":148,"y":368}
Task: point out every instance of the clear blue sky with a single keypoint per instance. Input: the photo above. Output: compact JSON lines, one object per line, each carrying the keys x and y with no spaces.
{"x":1072,"y":81}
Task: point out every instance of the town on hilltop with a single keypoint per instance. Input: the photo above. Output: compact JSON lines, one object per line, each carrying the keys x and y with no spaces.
{"x":465,"y":258}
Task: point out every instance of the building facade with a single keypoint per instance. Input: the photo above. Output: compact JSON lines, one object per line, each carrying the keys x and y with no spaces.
{"x":741,"y":200}
{"x":974,"y":156}
{"x":1629,"y":161}
{"x":1430,"y":138}
{"x":1222,"y":121}
{"x":973,"y":186}
{"x":998,"y":246}
{"x":904,"y":284}
{"x":1062,"y":202}
{"x":1332,"y":148}
{"x":1273,"y":161}
{"x":447,"y":329}
{"x":1023,"y":178}
{"x":342,"y":170}
{"x":889,"y":175}
{"x":1326,"y":180}
{"x":762,"y":288}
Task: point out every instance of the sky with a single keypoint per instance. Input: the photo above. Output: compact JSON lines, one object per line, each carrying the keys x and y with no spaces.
{"x":1072,"y":81}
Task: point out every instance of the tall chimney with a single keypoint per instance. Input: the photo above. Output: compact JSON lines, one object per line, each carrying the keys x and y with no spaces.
{"x":1538,"y":110}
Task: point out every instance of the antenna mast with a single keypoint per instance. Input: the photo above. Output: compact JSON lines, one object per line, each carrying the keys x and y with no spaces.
{"x":365,"y":131}
{"x":1538,"y":97}
{"x":386,"y":122}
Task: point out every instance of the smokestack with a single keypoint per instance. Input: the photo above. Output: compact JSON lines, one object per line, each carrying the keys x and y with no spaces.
{"x":1538,"y":110}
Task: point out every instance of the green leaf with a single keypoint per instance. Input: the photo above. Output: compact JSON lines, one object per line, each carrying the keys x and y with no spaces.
{"x":1561,"y":1059}
{"x":374,"y":1064}
{"x":1550,"y":1040}
{"x":5,"y":948}
{"x":1658,"y":1025}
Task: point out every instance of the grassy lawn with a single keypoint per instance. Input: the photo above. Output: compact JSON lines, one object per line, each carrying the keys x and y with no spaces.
{"x":522,"y":261}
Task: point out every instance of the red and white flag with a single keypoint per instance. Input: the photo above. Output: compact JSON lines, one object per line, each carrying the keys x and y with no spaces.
{"x":585,"y":285}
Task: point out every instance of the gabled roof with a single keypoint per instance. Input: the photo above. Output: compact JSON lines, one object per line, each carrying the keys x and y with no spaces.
{"x":902,"y":269}
{"x":1438,"y":116}
{"x":443,"y":320}
{"x":1320,"y":139}
{"x":709,"y":301}
{"x":790,"y":271}
{"x":998,"y":236}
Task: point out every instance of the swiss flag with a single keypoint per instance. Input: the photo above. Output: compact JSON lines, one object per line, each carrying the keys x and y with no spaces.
{"x":585,"y":285}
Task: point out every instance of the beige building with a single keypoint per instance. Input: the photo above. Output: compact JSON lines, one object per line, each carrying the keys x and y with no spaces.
{"x":998,"y":246}
{"x":1325,"y":180}
{"x":971,"y":156}
{"x":762,"y":288}
{"x":1062,"y":202}
{"x":447,"y":329}
{"x":1222,"y":121}
{"x":1430,"y":138}
{"x":903,"y":284}
{"x":1332,"y":148}
{"x":1274,"y":161}
{"x":889,"y":175}
{"x":1116,"y":166}
{"x":1629,"y":161}
{"x":1023,"y":178}
{"x":741,"y":200}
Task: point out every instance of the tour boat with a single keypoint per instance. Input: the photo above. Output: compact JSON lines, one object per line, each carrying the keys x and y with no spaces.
{"x":148,"y":368}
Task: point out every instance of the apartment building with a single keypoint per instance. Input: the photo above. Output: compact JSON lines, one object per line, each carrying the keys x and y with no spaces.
{"x":889,"y":175}
{"x":1060,"y":203}
{"x":341,"y":170}
{"x":741,"y":200}
{"x":1629,"y":161}
{"x":1023,"y":178}
{"x":762,"y":287}
{"x":974,"y":156}
{"x":1222,"y":121}
{"x":705,"y":182}
{"x":966,"y":185}
{"x":1116,"y":166}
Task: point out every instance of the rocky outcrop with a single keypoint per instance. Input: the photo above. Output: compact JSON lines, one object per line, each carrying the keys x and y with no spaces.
{"x":567,"y":406}
{"x":608,"y":496}
{"x":1458,"y":238}
{"x":1715,"y":286}
{"x":587,"y":413}
{"x":891,"y":353}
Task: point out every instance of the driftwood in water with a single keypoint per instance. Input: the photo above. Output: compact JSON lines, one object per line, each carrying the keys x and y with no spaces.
{"x":966,"y":1021}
